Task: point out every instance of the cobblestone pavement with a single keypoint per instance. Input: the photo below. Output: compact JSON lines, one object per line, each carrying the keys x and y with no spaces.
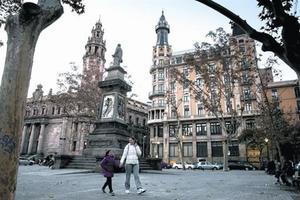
{"x":42,"y":183}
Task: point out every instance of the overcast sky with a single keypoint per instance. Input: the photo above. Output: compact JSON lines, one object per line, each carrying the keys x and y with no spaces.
{"x":132,"y":24}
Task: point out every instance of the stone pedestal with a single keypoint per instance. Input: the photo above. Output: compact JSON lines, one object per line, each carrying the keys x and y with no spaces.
{"x":111,"y":129}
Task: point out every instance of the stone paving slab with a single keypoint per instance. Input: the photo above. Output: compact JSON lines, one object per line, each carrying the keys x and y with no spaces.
{"x":42,"y":183}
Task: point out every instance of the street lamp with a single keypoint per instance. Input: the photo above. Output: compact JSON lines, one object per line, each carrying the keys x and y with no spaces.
{"x":267,"y":144}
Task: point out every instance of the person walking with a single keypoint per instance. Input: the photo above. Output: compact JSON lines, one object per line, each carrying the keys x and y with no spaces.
{"x":107,"y":165}
{"x":130,"y":156}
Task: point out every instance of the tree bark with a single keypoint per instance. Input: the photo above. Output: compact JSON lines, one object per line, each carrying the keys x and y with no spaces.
{"x":23,"y":30}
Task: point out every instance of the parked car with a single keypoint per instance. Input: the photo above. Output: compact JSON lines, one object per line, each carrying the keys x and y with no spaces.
{"x":165,"y":165}
{"x":241,"y":165}
{"x":24,"y":161}
{"x":178,"y":165}
{"x":207,"y":165}
{"x":189,"y":165}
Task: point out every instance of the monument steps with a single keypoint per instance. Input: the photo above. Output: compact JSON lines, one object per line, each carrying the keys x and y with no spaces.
{"x":82,"y":162}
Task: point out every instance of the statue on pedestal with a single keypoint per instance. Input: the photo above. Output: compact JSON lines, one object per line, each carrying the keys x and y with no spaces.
{"x":118,"y":56}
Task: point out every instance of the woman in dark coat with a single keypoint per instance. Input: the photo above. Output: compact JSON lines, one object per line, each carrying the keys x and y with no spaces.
{"x":107,"y":165}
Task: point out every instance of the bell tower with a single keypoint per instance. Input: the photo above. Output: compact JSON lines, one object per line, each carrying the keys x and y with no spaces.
{"x":94,"y":57}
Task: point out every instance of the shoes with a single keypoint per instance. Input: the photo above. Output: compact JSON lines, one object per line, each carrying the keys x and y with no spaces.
{"x":127,"y":191}
{"x":141,"y":190}
{"x":103,"y":190}
{"x":112,"y":193}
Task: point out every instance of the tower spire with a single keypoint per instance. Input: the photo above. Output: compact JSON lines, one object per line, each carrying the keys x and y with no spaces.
{"x":162,"y":30}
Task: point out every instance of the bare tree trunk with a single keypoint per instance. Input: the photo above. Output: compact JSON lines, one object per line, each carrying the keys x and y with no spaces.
{"x":225,"y":154}
{"x":23,"y":30}
{"x":179,"y":140}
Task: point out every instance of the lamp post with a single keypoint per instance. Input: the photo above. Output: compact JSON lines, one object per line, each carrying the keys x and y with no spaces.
{"x":267,"y":144}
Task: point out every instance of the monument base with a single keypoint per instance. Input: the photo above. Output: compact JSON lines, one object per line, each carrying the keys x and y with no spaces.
{"x":107,"y":136}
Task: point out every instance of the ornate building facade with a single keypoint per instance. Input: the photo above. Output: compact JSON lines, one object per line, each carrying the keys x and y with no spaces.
{"x":49,"y":130}
{"x":202,"y":134}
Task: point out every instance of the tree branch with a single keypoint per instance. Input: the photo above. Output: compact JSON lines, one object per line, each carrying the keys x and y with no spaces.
{"x":52,"y":10}
{"x":279,"y":11}
{"x":269,"y":43}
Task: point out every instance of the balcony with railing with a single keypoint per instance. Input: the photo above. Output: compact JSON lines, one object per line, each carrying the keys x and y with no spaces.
{"x":248,"y":97}
{"x":157,"y":106}
{"x":157,"y":93}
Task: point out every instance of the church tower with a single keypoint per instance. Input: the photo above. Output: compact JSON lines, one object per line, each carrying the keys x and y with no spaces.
{"x":94,"y":57}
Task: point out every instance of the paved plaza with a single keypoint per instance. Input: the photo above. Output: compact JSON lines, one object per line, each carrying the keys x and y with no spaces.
{"x":41,"y":183}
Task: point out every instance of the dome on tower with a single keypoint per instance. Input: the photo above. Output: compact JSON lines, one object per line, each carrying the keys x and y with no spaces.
{"x":162,"y":23}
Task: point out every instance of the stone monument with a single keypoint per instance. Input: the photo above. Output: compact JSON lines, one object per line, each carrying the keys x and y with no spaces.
{"x":111,"y":128}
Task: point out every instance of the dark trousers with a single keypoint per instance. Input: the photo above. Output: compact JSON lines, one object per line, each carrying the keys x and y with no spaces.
{"x":108,"y":183}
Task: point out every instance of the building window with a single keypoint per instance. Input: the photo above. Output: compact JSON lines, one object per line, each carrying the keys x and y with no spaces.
{"x":161,"y":62}
{"x":298,"y":106}
{"x":53,"y":110}
{"x":178,"y":60}
{"x":297,"y":92}
{"x":274,"y":93}
{"x":227,"y":79}
{"x":27,"y":113}
{"x":154,"y":88}
{"x":245,"y":77}
{"x":247,"y":93}
{"x":137,"y":121}
{"x":216,"y":149}
{"x":230,"y":128}
{"x":160,"y":150}
{"x":234,"y":148}
{"x":154,"y":77}
{"x":186,"y":71}
{"x":160,"y":131}
{"x":187,"y":129}
{"x":144,"y":122}
{"x":161,"y":102}
{"x":245,"y":63}
{"x":199,"y":82}
{"x":58,"y":110}
{"x":212,"y":68}
{"x":161,"y":87}
{"x":250,"y":124}
{"x":248,"y":107}
{"x":187,"y":149}
{"x":173,"y":86}
{"x":186,"y":111}
{"x":43,"y":110}
{"x":186,"y":84}
{"x":76,"y":127}
{"x":35,"y":111}
{"x":172,"y":130}
{"x":130,"y":119}
{"x":173,"y":150}
{"x":215,"y":128}
{"x":200,"y":111}
{"x":154,"y":131}
{"x":161,"y":75}
{"x":173,"y":114}
{"x":74,"y":146}
{"x":202,"y":149}
{"x":201,"y":129}
{"x":186,"y":98}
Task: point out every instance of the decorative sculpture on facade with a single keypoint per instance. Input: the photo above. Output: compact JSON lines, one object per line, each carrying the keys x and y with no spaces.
{"x":37,"y":95}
